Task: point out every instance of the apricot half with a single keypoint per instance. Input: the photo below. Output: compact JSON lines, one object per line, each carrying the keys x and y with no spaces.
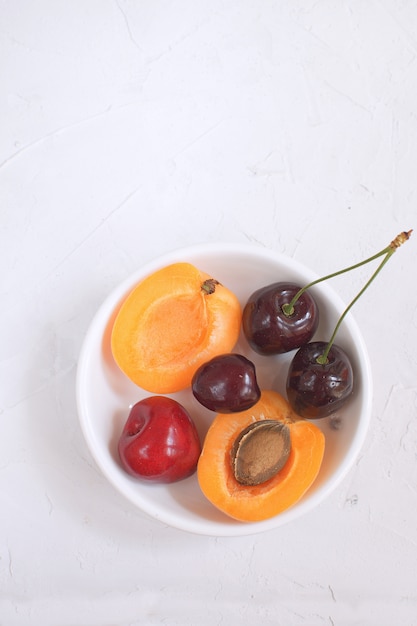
{"x":172,"y":322}
{"x":249,"y":503}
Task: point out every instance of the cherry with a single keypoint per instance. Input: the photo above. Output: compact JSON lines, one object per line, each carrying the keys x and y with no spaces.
{"x":316,"y":389}
{"x":159,"y":441}
{"x":320,"y":376}
{"x":274,"y":322}
{"x":226,"y":384}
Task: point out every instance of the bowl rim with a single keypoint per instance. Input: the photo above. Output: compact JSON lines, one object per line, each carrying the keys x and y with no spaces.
{"x":230,"y":527}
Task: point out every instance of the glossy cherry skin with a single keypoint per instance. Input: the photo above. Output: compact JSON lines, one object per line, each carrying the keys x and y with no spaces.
{"x":226,"y":384}
{"x":266,"y":327}
{"x":314,"y":390}
{"x":159,"y":441}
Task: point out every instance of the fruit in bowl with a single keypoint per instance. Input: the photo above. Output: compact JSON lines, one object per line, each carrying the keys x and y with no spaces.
{"x":105,"y":393}
{"x":159,"y":441}
{"x":172,"y":322}
{"x":269,"y":329}
{"x":255,"y":474}
{"x":226,"y":384}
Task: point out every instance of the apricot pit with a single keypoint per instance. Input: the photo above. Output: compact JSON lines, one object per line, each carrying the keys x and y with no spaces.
{"x":260,"y":451}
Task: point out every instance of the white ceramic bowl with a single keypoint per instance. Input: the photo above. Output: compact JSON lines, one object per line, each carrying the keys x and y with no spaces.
{"x":104,"y":394}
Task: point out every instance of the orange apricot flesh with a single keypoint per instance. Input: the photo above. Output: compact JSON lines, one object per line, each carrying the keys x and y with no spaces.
{"x":255,"y":503}
{"x":172,"y":322}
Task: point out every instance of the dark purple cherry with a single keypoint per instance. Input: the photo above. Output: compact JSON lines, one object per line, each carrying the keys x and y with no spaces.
{"x":226,"y":384}
{"x":316,"y":389}
{"x":320,"y":377}
{"x":270,"y":330}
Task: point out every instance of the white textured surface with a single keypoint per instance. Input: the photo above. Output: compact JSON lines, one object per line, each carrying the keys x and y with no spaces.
{"x":130,"y":128}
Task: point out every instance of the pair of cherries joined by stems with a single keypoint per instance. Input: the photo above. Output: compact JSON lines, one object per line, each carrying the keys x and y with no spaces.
{"x":277,"y":319}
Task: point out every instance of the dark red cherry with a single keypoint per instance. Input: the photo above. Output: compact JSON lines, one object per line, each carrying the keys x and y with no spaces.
{"x":226,"y":384}
{"x":268,"y":329}
{"x":316,"y":390}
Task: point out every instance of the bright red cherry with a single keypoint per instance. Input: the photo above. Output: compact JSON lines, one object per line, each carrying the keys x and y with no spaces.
{"x":159,"y":441}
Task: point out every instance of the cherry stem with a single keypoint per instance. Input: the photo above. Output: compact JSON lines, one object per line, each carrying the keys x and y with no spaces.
{"x":288,"y":309}
{"x":389,"y":251}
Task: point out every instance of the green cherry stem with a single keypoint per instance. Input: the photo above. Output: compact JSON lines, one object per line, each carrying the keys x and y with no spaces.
{"x":288,"y":309}
{"x":389,"y":251}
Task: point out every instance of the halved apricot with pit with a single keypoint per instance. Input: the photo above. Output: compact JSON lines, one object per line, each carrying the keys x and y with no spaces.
{"x":248,"y":500}
{"x":172,"y":322}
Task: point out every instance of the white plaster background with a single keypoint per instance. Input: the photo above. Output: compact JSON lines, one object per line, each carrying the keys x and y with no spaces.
{"x":133,"y":127}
